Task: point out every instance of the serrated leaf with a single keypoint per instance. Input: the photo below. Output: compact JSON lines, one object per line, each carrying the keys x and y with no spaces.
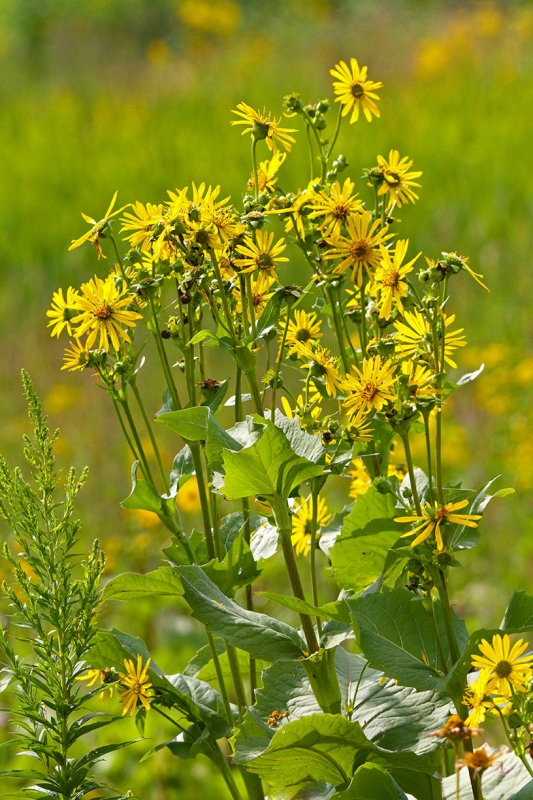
{"x":257,"y":634}
{"x":359,"y":553}
{"x":162,"y":581}
{"x":302,"y":443}
{"x":267,"y":467}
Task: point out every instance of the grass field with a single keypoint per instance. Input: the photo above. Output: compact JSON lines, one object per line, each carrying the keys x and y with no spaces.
{"x":155,"y":115}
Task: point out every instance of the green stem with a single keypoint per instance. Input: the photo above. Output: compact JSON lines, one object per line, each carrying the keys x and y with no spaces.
{"x":447,"y":614}
{"x":280,"y":360}
{"x":125,"y":405}
{"x":364,"y":337}
{"x":311,"y":154}
{"x":250,"y":300}
{"x":314,"y":529}
{"x":254,"y":390}
{"x":438,"y":447}
{"x":204,"y":503}
{"x":220,"y":678}
{"x":349,"y":339}
{"x":218,"y":758}
{"x":335,"y":135}
{"x":431,"y":612}
{"x":338,"y":329}
{"x":283,"y":522}
{"x":148,"y":426}
{"x":135,"y":454}
{"x":425,"y":415}
{"x":163,"y":357}
{"x":223,"y":296}
{"x":254,"y":167}
{"x":412,"y":480}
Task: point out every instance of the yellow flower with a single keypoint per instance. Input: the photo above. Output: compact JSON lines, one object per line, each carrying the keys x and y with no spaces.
{"x":337,"y":207}
{"x":302,"y":522}
{"x":359,"y":249}
{"x":432,"y":518}
{"x":397,"y":180}
{"x":478,"y":698}
{"x":136,"y":686}
{"x":414,"y":337}
{"x":62,"y":310}
{"x":141,"y":221}
{"x":104,"y":313}
{"x":420,"y":380}
{"x":299,"y":412}
{"x":479,"y":760}
{"x":369,"y":387}
{"x":100,"y":675}
{"x":76,"y":357}
{"x":389,"y":275}
{"x":324,"y":365}
{"x":361,"y":480}
{"x":354,"y":90}
{"x":263,"y":255}
{"x":360,"y":426}
{"x":302,"y":328}
{"x":262,"y":126}
{"x":267,"y":174}
{"x":95,"y":232}
{"x":508,"y":668}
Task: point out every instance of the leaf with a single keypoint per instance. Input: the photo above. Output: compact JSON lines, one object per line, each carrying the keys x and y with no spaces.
{"x":371,"y":782}
{"x":322,"y":747}
{"x":264,"y":542}
{"x":258,"y":634}
{"x":198,"y":424}
{"x":519,"y":612}
{"x":392,"y":716}
{"x":142,"y":496}
{"x":178,"y":554}
{"x":396,"y":635}
{"x":507,"y":779}
{"x":234,"y":524}
{"x":330,"y":532}
{"x":269,"y":316}
{"x":237,"y":568}
{"x":162,"y":581}
{"x":303,"y":444}
{"x":214,"y":398}
{"x":182,"y":470}
{"x":337,"y":610}
{"x":268,"y":467}
{"x":359,"y":553}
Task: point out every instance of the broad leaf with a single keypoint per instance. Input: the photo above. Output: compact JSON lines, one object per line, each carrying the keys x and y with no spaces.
{"x":337,"y":610}
{"x":268,"y":467}
{"x":359,"y":553}
{"x":258,"y":634}
{"x":162,"y":581}
{"x":371,"y":782}
{"x":519,"y":612}
{"x":198,"y":424}
{"x":142,"y":496}
{"x":303,"y":444}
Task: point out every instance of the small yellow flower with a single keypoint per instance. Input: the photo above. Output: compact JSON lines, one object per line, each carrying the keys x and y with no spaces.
{"x":136,"y":686}
{"x":336,"y":206}
{"x":359,"y":427}
{"x":302,"y":328}
{"x":413,"y":337}
{"x":104,"y":313}
{"x":389,"y":277}
{"x":302,"y":522}
{"x":76,"y":357}
{"x":62,"y":310}
{"x":97,"y":227}
{"x":479,"y":760}
{"x":354,"y":90}
{"x":267,"y":174}
{"x":370,"y":387}
{"x":141,"y":222}
{"x":397,"y":180}
{"x":359,"y":249}
{"x":455,"y":729}
{"x":262,"y":126}
{"x":432,"y":518}
{"x":100,"y":675}
{"x":263,"y":256}
{"x":508,"y":668}
{"x":323,"y":364}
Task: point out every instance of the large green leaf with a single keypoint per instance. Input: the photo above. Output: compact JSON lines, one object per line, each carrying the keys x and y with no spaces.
{"x":507,"y":779}
{"x":323,"y":747}
{"x":337,"y":610}
{"x":371,"y":782}
{"x":198,"y":424}
{"x":237,"y":568}
{"x":392,"y":716}
{"x":142,"y":496}
{"x":162,"y":581}
{"x":258,"y":634}
{"x":396,"y":635}
{"x":519,"y":613}
{"x":303,"y":444}
{"x":267,"y":467}
{"x":359,"y":553}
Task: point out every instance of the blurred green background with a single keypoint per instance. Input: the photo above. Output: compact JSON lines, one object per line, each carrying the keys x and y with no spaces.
{"x":135,"y":95}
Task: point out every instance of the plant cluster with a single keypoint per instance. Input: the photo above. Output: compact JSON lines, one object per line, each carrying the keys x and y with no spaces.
{"x":371,"y":696}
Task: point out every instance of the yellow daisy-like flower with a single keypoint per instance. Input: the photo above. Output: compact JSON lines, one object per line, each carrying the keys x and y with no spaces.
{"x":267,"y":174}
{"x":420,"y":380}
{"x":104,"y":313}
{"x":397,"y":180}
{"x":264,"y":127}
{"x":354,"y":90}
{"x":478,"y":698}
{"x":413,"y":337}
{"x":479,"y":760}
{"x":302,"y":522}
{"x":507,"y":666}
{"x":263,"y":256}
{"x":136,"y":686}
{"x":336,"y":206}
{"x":432,"y":518}
{"x":359,"y":249}
{"x":62,"y":310}
{"x":141,"y":222}
{"x":301,"y":409}
{"x":360,"y":426}
{"x":100,"y":675}
{"x":323,"y":365}
{"x":370,"y":387}
{"x":97,"y":227}
{"x":302,"y":327}
{"x":76,"y":357}
{"x":389,"y":277}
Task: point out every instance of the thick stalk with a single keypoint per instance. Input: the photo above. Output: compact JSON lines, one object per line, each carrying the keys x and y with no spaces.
{"x":283,"y":522}
{"x":254,"y":167}
{"x":134,"y":452}
{"x":431,"y":611}
{"x":314,"y":529}
{"x":250,"y":301}
{"x":254,"y":390}
{"x":364,"y":337}
{"x":218,"y":758}
{"x":425,"y":415}
{"x":335,"y":134}
{"x":338,"y":329}
{"x":447,"y":614}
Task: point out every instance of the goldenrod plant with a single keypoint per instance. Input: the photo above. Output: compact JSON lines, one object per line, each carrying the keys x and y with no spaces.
{"x":302,"y":344}
{"x":54,"y":598}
